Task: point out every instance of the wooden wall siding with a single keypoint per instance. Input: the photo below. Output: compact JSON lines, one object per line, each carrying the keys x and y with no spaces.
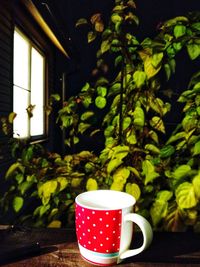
{"x":11,"y":13}
{"x":6,"y":54}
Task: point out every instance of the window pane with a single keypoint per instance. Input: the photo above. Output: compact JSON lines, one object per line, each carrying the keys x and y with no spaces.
{"x":21,"y":61}
{"x":20,"y":125}
{"x":37,"y":92}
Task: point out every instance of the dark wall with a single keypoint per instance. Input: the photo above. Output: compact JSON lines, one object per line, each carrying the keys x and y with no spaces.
{"x":13,"y":13}
{"x":6,"y":52}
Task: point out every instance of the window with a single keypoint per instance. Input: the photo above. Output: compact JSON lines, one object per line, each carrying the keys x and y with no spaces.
{"x":28,"y":88}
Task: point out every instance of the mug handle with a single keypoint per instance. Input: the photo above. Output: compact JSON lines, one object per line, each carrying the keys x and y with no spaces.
{"x":147,"y":232}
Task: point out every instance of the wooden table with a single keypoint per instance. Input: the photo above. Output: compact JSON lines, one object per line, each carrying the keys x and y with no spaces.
{"x":58,"y":248}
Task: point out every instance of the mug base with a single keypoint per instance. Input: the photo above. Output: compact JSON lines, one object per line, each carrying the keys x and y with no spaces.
{"x":99,"y":259}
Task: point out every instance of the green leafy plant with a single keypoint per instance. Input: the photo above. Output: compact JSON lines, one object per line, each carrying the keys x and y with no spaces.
{"x":126,"y":110}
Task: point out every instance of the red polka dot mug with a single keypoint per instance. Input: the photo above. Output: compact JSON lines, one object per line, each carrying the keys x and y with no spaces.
{"x":104,"y":226}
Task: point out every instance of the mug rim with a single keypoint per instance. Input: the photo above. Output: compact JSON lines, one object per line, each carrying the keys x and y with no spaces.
{"x":130,"y":200}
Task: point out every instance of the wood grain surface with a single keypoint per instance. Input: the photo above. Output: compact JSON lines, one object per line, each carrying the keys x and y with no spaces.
{"x":58,"y":248}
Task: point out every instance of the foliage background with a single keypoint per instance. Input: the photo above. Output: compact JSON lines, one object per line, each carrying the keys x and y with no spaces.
{"x":161,"y":170}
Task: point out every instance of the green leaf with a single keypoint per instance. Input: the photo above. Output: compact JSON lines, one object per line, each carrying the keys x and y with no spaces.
{"x":13,"y":168}
{"x":134,"y":190}
{"x":167,"y":151}
{"x":167,"y":70}
{"x":131,"y":137}
{"x":101,"y":91}
{"x":105,"y":46}
{"x":181,"y":171}
{"x":119,"y":152}
{"x":174,"y":21}
{"x":100,"y":102}
{"x":46,"y":190}
{"x":149,"y":69}
{"x":63,"y":182}
{"x":11,"y":117}
{"x":82,"y":127}
{"x":121,"y":175}
{"x":176,"y":137}
{"x":196,"y":149}
{"x":152,"y":148}
{"x":196,"y":184}
{"x":85,"y":87}
{"x":17,"y":203}
{"x":23,"y":187}
{"x":91,"y":36}
{"x":113,"y":164}
{"x":118,"y":60}
{"x":196,"y":26}
{"x":86,"y":115}
{"x":139,"y":78}
{"x":19,"y":178}
{"x":54,"y":224}
{"x":114,"y":89}
{"x":164,"y":195}
{"x":87,"y":100}
{"x":179,"y":30}
{"x":149,"y":171}
{"x":81,"y":21}
{"x":115,"y":18}
{"x":156,"y":59}
{"x":126,"y":123}
{"x":193,"y":50}
{"x":189,"y":122}
{"x":139,"y":117}
{"x":157,"y":123}
{"x":91,"y":184}
{"x":185,"y":196}
{"x":158,"y":211}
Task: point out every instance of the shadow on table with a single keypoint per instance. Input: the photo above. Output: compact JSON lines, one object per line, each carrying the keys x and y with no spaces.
{"x":169,"y":247}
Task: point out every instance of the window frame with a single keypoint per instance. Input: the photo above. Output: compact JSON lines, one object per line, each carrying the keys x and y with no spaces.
{"x":35,"y":42}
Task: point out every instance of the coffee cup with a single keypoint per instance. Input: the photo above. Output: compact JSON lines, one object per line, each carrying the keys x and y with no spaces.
{"x":104,"y":226}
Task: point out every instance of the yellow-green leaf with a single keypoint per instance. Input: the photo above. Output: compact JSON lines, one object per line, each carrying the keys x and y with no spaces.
{"x":185,"y":196}
{"x":121,"y":174}
{"x":55,"y":224}
{"x":156,"y":59}
{"x":113,"y":164}
{"x":91,"y":184}
{"x":100,"y":102}
{"x":81,"y":21}
{"x":157,"y":123}
{"x":149,"y":171}
{"x":196,"y":149}
{"x":76,"y":182}
{"x":139,"y":117}
{"x":152,"y":148}
{"x":193,"y":50}
{"x":63,"y":182}
{"x":86,"y":115}
{"x":181,"y":171}
{"x":179,"y":30}
{"x":11,"y":117}
{"x":91,"y":36}
{"x":139,"y":78}
{"x":105,"y":46}
{"x":17,"y":203}
{"x":134,"y":190}
{"x":196,"y":184}
{"x":149,"y":69}
{"x":158,"y":211}
{"x":14,"y":167}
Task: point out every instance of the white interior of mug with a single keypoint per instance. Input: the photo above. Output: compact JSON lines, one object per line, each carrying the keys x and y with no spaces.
{"x":105,"y":199}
